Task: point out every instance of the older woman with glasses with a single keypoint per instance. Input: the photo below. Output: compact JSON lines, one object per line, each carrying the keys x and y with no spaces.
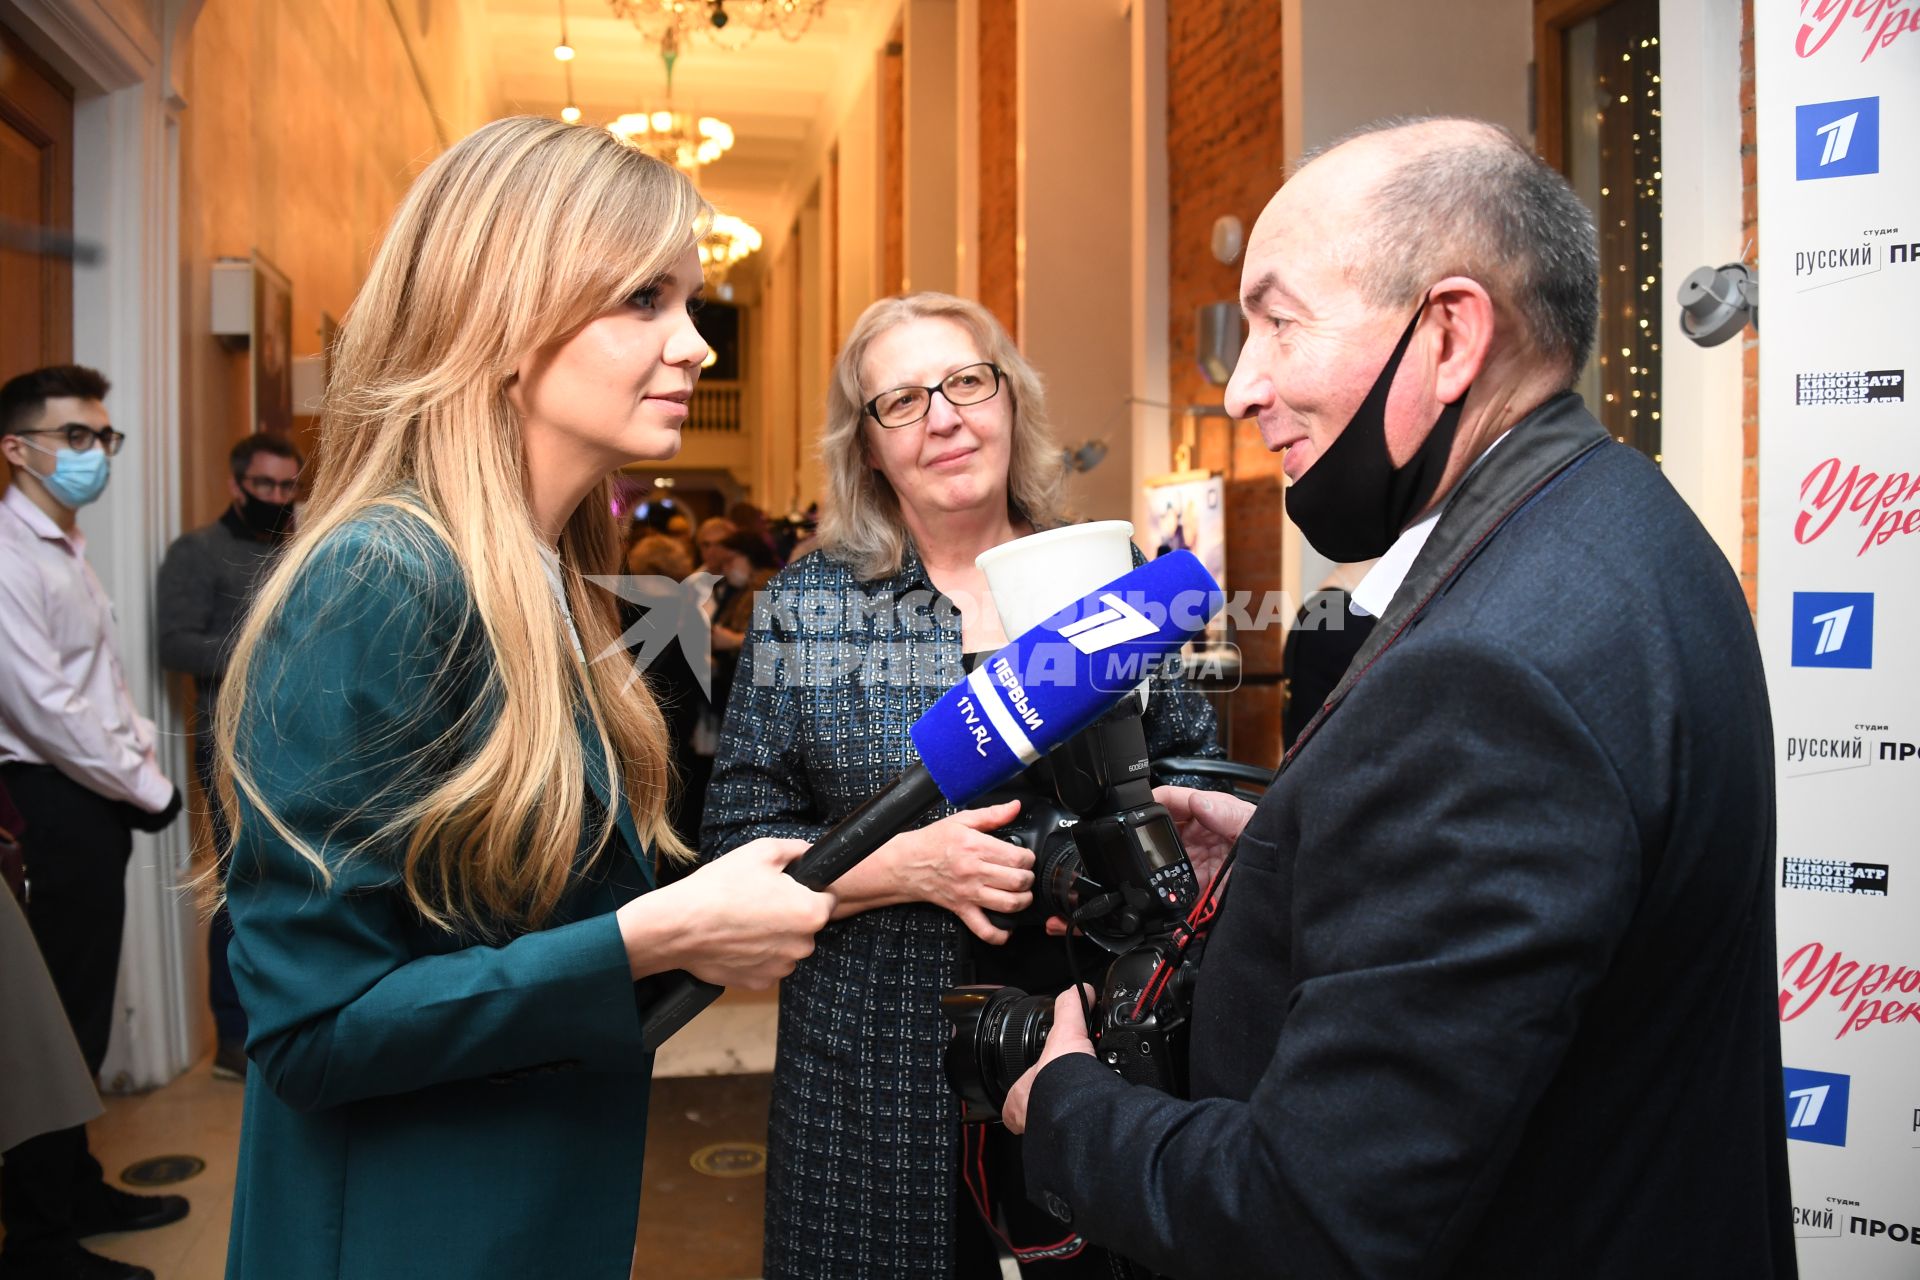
{"x":937,"y":448}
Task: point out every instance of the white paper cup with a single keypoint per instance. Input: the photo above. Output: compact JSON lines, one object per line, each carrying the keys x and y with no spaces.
{"x":1034,"y":577}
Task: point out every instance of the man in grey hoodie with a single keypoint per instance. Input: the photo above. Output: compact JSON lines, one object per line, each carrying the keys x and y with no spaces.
{"x":207,"y":584}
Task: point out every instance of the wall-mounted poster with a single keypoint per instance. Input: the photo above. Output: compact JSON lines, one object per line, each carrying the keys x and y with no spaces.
{"x":1189,"y":513}
{"x":270,"y":353}
{"x":1837,"y":88}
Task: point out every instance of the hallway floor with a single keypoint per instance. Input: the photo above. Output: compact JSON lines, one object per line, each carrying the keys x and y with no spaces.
{"x":700,"y":1205}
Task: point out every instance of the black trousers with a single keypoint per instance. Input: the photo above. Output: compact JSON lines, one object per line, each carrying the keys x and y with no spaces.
{"x":77,"y":846}
{"x":229,"y":1018}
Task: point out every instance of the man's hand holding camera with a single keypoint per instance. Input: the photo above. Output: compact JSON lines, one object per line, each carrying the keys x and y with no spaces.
{"x":1069,"y":1035}
{"x":1208,"y":823}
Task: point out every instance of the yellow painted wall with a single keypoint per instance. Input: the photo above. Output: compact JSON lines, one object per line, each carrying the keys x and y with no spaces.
{"x":304,"y":125}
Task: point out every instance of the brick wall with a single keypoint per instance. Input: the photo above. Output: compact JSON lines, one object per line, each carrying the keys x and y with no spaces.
{"x":1226,"y":154}
{"x":1750,"y":390}
{"x":999,"y":174}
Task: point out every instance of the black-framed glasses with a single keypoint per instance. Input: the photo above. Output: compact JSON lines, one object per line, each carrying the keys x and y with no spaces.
{"x":264,"y":485}
{"x":904,"y":406}
{"x":81,"y":437}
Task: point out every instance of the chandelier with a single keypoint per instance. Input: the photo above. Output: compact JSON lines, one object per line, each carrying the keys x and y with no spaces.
{"x":682,"y":140}
{"x":727,"y":241}
{"x":731,"y":24}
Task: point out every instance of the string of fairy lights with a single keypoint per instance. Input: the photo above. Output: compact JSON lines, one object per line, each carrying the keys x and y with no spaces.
{"x":1628,"y":114}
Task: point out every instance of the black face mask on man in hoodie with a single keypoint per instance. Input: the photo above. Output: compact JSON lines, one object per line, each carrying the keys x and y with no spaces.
{"x":268,"y":519}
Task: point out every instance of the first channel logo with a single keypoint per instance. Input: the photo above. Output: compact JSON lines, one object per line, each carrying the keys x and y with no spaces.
{"x":1837,"y":139}
{"x":1817,"y":1106}
{"x":1833,"y":629}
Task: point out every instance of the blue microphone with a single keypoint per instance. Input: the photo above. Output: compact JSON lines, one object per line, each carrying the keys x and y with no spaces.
{"x":1061,"y":676}
{"x":1025,"y":700}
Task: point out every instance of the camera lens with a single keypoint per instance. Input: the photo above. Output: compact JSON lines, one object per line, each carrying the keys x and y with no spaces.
{"x":1046,"y":829}
{"x":1057,"y":875}
{"x":998,"y":1032}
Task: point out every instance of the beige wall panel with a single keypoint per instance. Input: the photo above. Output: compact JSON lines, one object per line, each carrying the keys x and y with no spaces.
{"x":1075,"y":181}
{"x":304,"y":125}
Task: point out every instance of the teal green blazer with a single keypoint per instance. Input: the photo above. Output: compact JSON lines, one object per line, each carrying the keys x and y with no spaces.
{"x":419,"y":1104}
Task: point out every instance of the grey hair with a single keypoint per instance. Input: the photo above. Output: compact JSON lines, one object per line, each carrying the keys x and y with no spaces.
{"x":1485,"y":207}
{"x":860,"y":522}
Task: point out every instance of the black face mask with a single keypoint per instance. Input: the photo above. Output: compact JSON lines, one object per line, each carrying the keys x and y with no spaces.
{"x":269,"y":519}
{"x":1353,"y":502}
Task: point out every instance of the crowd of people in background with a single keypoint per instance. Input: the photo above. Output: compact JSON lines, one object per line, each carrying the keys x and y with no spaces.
{"x":722,"y":563}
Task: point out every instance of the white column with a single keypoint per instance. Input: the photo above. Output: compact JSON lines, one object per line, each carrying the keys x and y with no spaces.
{"x":858,"y":226}
{"x":799,"y":474}
{"x":1075,"y":178}
{"x":1700,"y":387}
{"x":932,"y":120}
{"x":1147,"y":256}
{"x":966,"y":185}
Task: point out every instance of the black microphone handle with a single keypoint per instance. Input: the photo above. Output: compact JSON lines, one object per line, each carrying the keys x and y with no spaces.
{"x":879,"y":820}
{"x":833,"y":855}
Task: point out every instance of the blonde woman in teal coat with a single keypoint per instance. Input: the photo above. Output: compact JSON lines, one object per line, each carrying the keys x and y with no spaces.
{"x":447,"y":811}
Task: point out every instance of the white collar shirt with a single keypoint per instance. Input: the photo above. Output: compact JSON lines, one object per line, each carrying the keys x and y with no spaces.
{"x":1376,"y":591}
{"x":63,"y":693}
{"x":701,"y":583}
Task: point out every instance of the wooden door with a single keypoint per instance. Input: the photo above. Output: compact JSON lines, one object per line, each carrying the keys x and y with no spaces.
{"x":36,"y":212}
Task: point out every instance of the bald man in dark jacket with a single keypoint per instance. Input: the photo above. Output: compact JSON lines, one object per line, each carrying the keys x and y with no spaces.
{"x":1492,"y":990}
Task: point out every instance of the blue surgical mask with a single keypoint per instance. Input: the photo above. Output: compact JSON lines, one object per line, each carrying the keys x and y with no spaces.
{"x":78,"y":478}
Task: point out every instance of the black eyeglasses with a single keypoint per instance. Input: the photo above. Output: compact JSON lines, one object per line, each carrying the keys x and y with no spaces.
{"x":904,"y":406}
{"x":266,"y":484}
{"x":81,"y":437}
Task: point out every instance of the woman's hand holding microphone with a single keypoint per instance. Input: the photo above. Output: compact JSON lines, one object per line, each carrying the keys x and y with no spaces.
{"x":738,"y":921}
{"x":741,"y":921}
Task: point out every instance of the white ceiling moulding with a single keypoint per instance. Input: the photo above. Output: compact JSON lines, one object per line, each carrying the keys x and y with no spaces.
{"x":108,"y":44}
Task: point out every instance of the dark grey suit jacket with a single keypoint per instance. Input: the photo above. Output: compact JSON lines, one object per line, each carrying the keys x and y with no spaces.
{"x":1492,"y":990}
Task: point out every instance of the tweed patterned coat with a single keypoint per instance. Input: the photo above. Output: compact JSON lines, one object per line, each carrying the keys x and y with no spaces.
{"x":863,"y":1146}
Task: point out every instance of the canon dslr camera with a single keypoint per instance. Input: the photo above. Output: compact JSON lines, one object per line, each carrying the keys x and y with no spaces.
{"x":1108,"y":861}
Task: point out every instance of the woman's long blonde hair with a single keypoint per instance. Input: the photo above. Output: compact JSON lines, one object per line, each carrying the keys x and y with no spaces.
{"x":511,"y":241}
{"x":861,"y":522}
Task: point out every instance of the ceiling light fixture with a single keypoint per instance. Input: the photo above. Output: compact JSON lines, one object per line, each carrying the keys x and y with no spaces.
{"x":564,"y":53}
{"x":727,"y":241}
{"x":685,"y":141}
{"x":682,"y":139}
{"x":731,"y":24}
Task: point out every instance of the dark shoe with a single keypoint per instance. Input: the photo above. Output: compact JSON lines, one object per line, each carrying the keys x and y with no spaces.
{"x":68,"y":1262}
{"x":230,"y":1061}
{"x":108,"y":1208}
